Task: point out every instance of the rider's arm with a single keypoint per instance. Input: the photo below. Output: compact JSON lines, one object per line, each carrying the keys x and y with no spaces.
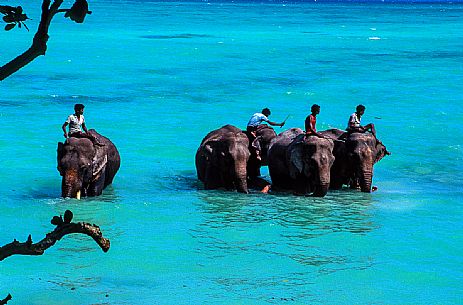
{"x":84,"y":127}
{"x":64,"y":129}
{"x":276,"y":124}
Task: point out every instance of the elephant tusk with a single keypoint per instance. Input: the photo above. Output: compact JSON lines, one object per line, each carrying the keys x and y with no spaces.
{"x":78,"y":195}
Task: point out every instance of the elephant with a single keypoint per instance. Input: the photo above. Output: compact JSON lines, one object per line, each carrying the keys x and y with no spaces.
{"x":264,"y":135}
{"x":87,"y":168}
{"x":355,"y":157}
{"x":301,"y":163}
{"x":340,"y":170}
{"x":222,"y":158}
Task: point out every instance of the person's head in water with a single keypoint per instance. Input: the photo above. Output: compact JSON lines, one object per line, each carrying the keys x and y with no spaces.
{"x":79,"y":109}
{"x":266,"y":112}
{"x":360,"y":109}
{"x":315,"y":109}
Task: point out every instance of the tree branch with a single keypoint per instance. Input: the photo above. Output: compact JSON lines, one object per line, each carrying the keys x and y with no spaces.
{"x":5,"y":300}
{"x":62,"y":229}
{"x":39,"y":44}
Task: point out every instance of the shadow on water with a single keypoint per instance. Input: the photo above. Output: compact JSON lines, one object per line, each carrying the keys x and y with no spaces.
{"x":311,"y":237}
{"x":39,"y":78}
{"x":60,"y":281}
{"x":53,"y":195}
{"x":342,"y":211}
{"x":72,"y":99}
{"x":185,"y":181}
{"x":177,"y":36}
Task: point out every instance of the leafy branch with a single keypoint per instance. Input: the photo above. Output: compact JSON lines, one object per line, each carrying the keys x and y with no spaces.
{"x":15,"y":16}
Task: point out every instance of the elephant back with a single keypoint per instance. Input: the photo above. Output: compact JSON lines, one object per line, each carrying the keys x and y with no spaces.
{"x":221,"y":133}
{"x":108,"y":151}
{"x":286,"y":137}
{"x":333,"y":133}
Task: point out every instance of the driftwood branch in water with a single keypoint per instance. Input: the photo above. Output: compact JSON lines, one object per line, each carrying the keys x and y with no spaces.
{"x":5,"y":300}
{"x":62,"y":228}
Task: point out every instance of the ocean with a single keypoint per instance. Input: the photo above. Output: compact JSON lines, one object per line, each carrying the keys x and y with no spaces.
{"x":156,"y":77}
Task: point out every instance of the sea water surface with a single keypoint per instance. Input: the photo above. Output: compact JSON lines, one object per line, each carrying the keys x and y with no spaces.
{"x":156,"y":77}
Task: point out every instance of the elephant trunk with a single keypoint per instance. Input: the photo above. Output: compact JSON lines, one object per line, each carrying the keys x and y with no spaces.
{"x":323,"y":182}
{"x":321,"y":190}
{"x":240,"y":177}
{"x":71,"y":184}
{"x":366,"y":178}
{"x":364,"y":170}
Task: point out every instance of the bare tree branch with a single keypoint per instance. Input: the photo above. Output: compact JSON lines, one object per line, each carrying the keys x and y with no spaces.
{"x":5,"y":300}
{"x":62,"y":229}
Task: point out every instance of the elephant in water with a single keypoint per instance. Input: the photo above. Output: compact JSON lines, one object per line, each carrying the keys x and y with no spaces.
{"x":301,"y":163}
{"x":264,"y":135}
{"x":87,"y":168}
{"x":222,"y":158}
{"x":355,"y":158}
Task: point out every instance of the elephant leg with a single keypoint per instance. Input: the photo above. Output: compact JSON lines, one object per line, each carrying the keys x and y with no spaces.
{"x":335,"y":186}
{"x":260,"y":184}
{"x":212,"y":179}
{"x":300,"y":186}
{"x":253,"y":168}
{"x":96,"y":187}
{"x":354,"y":183}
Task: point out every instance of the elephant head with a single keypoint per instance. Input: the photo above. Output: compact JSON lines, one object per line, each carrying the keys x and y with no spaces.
{"x":222,"y":158}
{"x":363,"y":151}
{"x":80,"y":164}
{"x":264,"y":135}
{"x":309,"y":162}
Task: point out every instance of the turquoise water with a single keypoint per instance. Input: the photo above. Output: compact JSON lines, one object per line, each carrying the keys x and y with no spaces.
{"x":156,"y":77}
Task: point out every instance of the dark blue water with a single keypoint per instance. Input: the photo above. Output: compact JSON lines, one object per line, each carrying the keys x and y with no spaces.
{"x":156,"y":77}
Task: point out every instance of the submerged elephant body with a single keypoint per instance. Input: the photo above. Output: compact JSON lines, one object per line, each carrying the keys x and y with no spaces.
{"x":300,"y":163}
{"x":355,"y":158}
{"x":87,"y":168}
{"x":222,"y":158}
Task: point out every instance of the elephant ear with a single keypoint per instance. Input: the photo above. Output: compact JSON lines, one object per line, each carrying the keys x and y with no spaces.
{"x":380,"y":152}
{"x":210,"y":149}
{"x":296,"y":164}
{"x":100,"y":159}
{"x":60,"y":155}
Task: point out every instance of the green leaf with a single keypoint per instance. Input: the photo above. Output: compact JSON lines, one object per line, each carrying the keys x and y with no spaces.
{"x":9,"y":26}
{"x":8,"y":18}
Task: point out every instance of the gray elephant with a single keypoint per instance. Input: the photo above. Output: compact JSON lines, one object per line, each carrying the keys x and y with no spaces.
{"x":300,"y":163}
{"x":87,"y":168}
{"x":221,"y":159}
{"x":264,"y":135}
{"x":355,"y":157}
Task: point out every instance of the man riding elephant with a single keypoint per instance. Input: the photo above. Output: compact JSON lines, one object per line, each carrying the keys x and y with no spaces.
{"x":87,"y":168}
{"x":76,"y":124}
{"x":254,"y":123}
